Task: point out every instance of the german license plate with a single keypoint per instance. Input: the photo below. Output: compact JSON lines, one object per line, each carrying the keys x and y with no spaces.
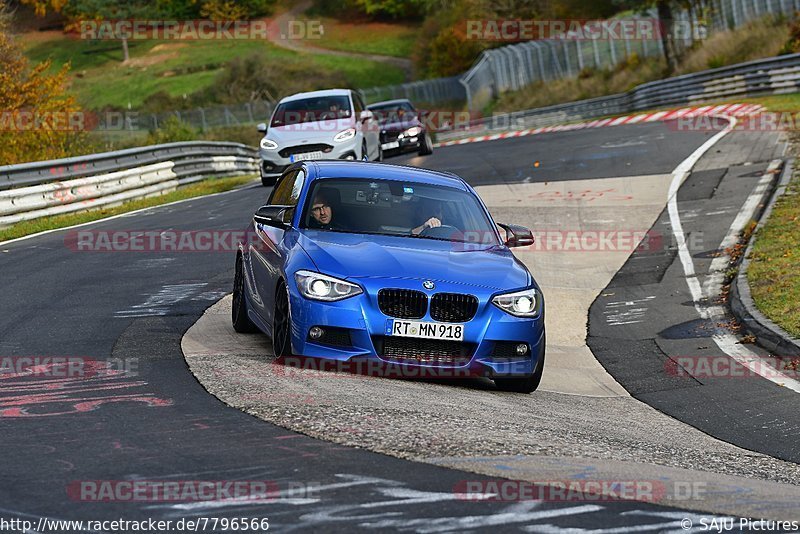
{"x":306,"y":155}
{"x":389,"y":146}
{"x":425,"y":330}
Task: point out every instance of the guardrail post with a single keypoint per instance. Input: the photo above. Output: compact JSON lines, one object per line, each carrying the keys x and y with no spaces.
{"x":468,"y":92}
{"x":567,"y":62}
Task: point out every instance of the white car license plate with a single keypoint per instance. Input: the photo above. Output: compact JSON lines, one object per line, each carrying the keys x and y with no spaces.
{"x":425,"y":330}
{"x":306,"y":155}
{"x":389,"y":146}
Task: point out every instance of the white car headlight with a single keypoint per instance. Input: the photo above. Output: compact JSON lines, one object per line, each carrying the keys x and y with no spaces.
{"x":413,"y":131}
{"x":345,"y":135}
{"x":318,"y":286}
{"x":268,"y":144}
{"x":525,"y":303}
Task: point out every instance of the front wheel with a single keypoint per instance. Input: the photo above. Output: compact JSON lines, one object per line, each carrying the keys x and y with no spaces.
{"x":282,"y":324}
{"x":268,"y":181}
{"x":426,"y":146}
{"x":239,"y":318}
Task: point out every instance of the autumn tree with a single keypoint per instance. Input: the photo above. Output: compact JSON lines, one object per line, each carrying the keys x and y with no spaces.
{"x":112,"y":10}
{"x":38,"y":119}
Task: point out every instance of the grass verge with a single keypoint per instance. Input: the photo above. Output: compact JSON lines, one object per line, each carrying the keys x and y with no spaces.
{"x":206,"y":187}
{"x":773,"y":275}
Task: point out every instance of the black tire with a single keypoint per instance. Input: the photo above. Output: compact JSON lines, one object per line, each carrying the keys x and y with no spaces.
{"x":241,"y":322}
{"x":364,"y":152}
{"x":524,"y":384}
{"x":268,"y":181}
{"x":282,"y":324}
{"x":426,"y":146}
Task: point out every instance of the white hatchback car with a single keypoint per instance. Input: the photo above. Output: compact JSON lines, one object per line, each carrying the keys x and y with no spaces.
{"x":330,"y":124}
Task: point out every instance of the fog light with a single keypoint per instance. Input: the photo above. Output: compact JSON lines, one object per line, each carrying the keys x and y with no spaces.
{"x":316,"y":332}
{"x":522,"y":349}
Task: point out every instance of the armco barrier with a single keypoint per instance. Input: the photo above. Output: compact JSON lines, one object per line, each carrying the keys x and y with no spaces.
{"x":32,"y":190}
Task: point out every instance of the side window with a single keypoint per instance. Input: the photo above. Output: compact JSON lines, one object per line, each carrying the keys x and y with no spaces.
{"x":297,"y":188}
{"x":282,"y":192}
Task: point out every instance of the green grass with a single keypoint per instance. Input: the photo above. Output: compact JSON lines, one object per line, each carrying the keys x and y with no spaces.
{"x":397,"y":40}
{"x":100,"y":79}
{"x":206,"y":187}
{"x":790,"y":103}
{"x":360,"y":73}
{"x":773,"y":275}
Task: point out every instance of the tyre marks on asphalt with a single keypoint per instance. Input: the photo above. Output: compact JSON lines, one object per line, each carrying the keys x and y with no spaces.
{"x":627,"y":311}
{"x":161,"y":302}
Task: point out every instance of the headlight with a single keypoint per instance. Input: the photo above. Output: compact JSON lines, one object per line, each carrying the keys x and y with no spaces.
{"x":525,"y":303}
{"x":413,"y":131}
{"x":268,"y":144}
{"x":318,"y":286}
{"x":345,"y":135}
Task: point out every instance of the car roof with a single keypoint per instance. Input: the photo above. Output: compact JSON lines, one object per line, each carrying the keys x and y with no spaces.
{"x":378,"y":171}
{"x":312,"y":94}
{"x":388,"y":102}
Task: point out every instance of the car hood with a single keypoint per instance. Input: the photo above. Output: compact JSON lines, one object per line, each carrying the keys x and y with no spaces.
{"x":369,"y":256}
{"x":399,"y":126}
{"x":308,"y":132}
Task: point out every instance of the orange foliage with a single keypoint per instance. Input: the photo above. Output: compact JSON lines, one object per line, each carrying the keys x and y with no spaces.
{"x":38,"y":119}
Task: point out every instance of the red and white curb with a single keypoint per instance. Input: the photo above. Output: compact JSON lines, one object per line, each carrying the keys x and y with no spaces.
{"x":735,"y":110}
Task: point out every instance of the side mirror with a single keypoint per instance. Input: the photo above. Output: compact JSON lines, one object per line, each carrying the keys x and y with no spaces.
{"x":366,"y":115}
{"x":277,"y":216}
{"x":261,"y":127}
{"x":517,"y":236}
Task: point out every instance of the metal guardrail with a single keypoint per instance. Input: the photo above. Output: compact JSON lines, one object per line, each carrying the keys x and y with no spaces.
{"x":32,"y":190}
{"x":778,"y":75}
{"x":64,"y":169}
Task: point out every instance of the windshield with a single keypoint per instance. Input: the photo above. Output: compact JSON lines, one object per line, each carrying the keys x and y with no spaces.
{"x":394,"y":112}
{"x":312,"y":110}
{"x":388,"y":207}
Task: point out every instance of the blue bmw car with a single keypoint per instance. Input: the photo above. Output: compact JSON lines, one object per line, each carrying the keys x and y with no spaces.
{"x":398,"y":265}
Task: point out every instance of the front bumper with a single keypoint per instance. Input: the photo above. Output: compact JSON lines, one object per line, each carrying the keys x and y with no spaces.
{"x":392,"y":143}
{"x":358,"y":327}
{"x":273,"y":164}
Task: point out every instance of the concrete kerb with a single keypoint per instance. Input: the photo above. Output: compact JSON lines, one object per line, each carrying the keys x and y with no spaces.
{"x":768,"y":334}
